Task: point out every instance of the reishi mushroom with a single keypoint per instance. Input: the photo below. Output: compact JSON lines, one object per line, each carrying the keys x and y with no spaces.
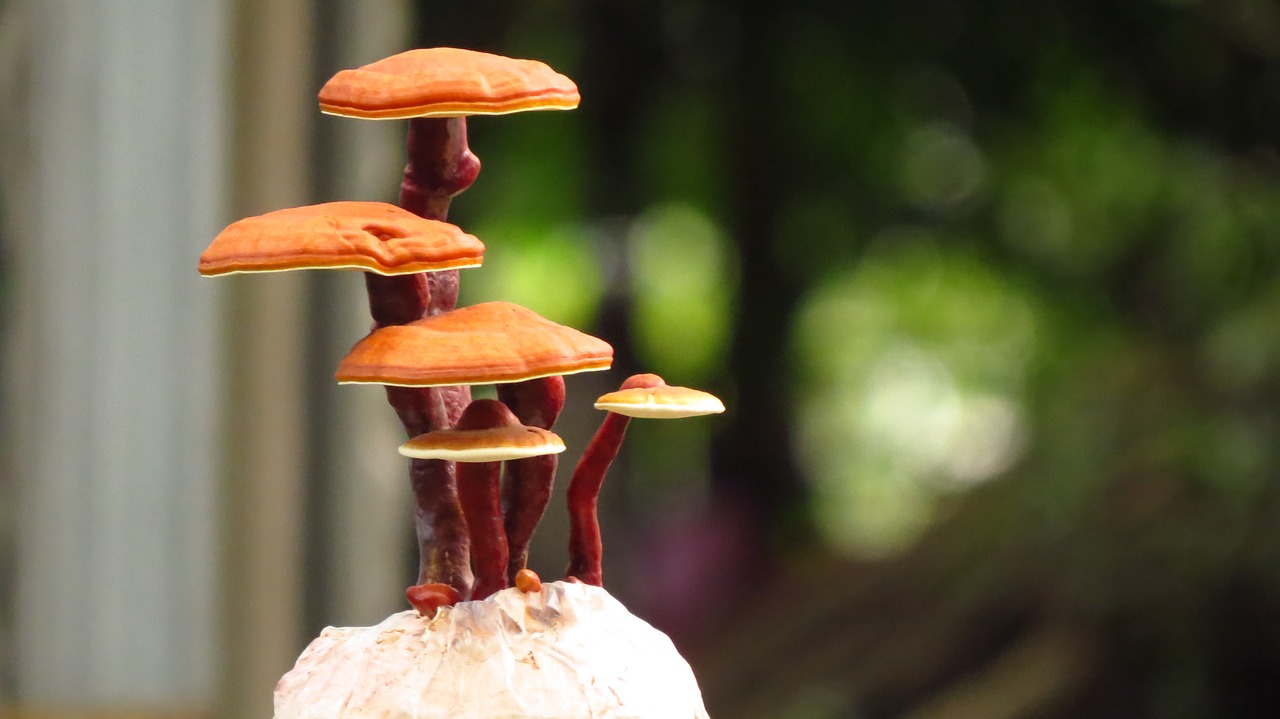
{"x":446,"y":82}
{"x":435,"y":88}
{"x":492,"y":342}
{"x":488,"y":343}
{"x":641,"y":395}
{"x":577,"y":652}
{"x":372,"y":236}
{"x":486,"y":435}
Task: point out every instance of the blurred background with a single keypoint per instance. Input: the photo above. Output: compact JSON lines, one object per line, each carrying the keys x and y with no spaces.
{"x":991,"y":290}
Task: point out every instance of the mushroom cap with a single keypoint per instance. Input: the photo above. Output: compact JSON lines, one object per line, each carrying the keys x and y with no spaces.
{"x":446,"y":82}
{"x":488,"y":343}
{"x":372,"y":236}
{"x":495,"y":444}
{"x":661,"y":402}
{"x":569,"y":651}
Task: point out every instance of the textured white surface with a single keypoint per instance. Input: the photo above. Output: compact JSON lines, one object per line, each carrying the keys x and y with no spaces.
{"x":569,"y":651}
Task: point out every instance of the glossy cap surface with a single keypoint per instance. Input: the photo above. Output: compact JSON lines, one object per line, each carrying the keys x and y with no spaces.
{"x":662,"y":402}
{"x":446,"y":82}
{"x":372,"y":236}
{"x":486,"y":343}
{"x":496,"y":444}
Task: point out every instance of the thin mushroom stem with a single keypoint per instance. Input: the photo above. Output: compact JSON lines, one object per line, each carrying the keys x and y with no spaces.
{"x":444,"y":551}
{"x":586,"y":547}
{"x":443,"y":548}
{"x":479,"y":493}
{"x":440,"y":165}
{"x":526,"y":489}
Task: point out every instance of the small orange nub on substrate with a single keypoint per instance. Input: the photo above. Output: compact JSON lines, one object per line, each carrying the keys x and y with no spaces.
{"x":427,"y":598}
{"x":528,"y":582}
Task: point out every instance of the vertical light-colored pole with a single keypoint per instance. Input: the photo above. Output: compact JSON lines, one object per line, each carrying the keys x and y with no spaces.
{"x":114,"y":363}
{"x":368,"y":509}
{"x":263,"y":507}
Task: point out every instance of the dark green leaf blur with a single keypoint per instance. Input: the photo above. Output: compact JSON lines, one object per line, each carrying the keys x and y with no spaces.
{"x":992,"y":293}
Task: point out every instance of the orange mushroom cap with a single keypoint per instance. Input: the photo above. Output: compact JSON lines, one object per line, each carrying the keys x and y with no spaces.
{"x":488,"y":343}
{"x":373,"y":236}
{"x":446,"y":82}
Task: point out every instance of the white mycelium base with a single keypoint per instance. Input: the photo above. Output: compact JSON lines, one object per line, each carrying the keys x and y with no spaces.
{"x":569,"y":651}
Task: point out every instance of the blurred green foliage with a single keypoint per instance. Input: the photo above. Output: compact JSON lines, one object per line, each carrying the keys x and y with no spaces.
{"x":1008,"y":272}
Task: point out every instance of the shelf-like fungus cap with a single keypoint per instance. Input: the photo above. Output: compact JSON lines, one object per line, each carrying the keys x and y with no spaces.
{"x":488,"y":343}
{"x":661,"y":402}
{"x":446,"y":82}
{"x":372,"y":236}
{"x":495,"y":444}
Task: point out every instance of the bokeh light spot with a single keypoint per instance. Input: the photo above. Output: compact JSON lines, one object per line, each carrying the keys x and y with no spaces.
{"x":683,"y":272}
{"x":912,"y":368}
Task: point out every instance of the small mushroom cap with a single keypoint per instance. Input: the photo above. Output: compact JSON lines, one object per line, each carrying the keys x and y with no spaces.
{"x":661,"y":402}
{"x":495,"y":444}
{"x":446,"y":82}
{"x":373,"y":236}
{"x":488,"y":343}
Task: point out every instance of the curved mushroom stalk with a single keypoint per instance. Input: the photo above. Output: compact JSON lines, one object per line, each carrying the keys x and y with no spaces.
{"x":440,"y":165}
{"x":586,"y":548}
{"x":486,"y":435}
{"x":641,"y":395}
{"x":526,"y":487}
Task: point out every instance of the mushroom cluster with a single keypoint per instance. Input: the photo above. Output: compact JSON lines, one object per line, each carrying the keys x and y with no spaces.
{"x":485,"y":638}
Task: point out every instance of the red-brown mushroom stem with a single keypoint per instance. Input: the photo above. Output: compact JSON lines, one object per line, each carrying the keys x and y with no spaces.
{"x":444,"y":551}
{"x":586,"y":548}
{"x":535,"y":402}
{"x":479,"y":493}
{"x":526,"y":489}
{"x":440,"y":165}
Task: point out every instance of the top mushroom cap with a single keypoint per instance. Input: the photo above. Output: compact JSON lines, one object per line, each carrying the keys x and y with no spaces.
{"x":373,"y":236}
{"x":488,"y":343}
{"x":446,"y":82}
{"x":661,"y":402}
